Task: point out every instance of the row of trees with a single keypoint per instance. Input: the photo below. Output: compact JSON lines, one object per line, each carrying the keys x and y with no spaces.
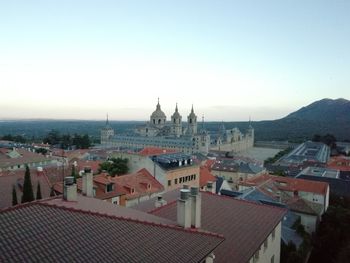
{"x":67,"y":141}
{"x":28,"y":194}
{"x":14,"y":138}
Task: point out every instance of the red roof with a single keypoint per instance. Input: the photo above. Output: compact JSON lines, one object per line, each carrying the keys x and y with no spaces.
{"x":245,"y":225}
{"x":205,"y":176}
{"x":209,"y":163}
{"x":70,"y":234}
{"x":341,"y":163}
{"x":289,"y":184}
{"x":132,"y":186}
{"x":149,"y":151}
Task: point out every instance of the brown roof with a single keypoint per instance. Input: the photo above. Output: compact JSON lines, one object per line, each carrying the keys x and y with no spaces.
{"x":25,"y":157}
{"x":289,"y":184}
{"x":148,"y":151}
{"x":40,"y":231}
{"x":245,"y":225}
{"x":205,"y":176}
{"x":142,"y":182}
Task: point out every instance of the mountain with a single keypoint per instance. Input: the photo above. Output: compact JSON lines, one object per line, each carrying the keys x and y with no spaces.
{"x":324,"y":110}
{"x":320,"y":117}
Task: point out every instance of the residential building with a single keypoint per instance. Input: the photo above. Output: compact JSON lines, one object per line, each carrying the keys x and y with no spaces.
{"x":308,"y":199}
{"x":171,"y":169}
{"x":15,"y":179}
{"x":125,"y":190}
{"x":339,"y":181}
{"x":252,"y":231}
{"x":84,"y":229}
{"x":236,"y":170}
{"x":17,"y":158}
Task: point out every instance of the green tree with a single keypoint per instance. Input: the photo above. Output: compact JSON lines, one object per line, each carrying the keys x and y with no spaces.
{"x":38,"y":192}
{"x":115,"y":166}
{"x":74,"y":173}
{"x":28,"y":195}
{"x":14,"y":196}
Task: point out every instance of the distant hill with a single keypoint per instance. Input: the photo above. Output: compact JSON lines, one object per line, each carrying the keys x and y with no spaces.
{"x":320,"y":117}
{"x":324,"y":110}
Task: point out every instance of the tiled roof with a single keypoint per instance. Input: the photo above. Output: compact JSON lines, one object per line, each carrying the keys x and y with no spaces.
{"x":289,"y":184}
{"x":205,"y":176}
{"x":142,"y":182}
{"x":150,"y":151}
{"x":341,"y":163}
{"x":41,"y":232}
{"x":22,"y":157}
{"x":245,"y":225}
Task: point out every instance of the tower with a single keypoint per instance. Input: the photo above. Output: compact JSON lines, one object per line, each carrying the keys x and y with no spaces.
{"x":106,"y":133}
{"x":176,"y":124}
{"x":250,"y":133}
{"x":192,"y":123}
{"x":158,"y":117}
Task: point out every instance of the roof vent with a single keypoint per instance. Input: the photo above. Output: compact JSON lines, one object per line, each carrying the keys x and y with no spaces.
{"x":39,"y":169}
{"x":184,"y":194}
{"x":69,"y":180}
{"x":194,"y":190}
{"x":87,"y":169}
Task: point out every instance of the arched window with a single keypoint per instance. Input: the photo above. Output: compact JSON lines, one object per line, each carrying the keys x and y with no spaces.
{"x":159,"y":121}
{"x":190,"y":120}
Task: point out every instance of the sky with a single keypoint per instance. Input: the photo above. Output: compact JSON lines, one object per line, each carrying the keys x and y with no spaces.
{"x":231,"y":59}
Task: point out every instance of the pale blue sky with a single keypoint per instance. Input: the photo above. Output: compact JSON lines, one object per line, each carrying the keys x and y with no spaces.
{"x":231,"y":59}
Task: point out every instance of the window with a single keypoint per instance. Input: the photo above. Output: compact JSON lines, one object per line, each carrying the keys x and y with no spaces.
{"x":273,"y":259}
{"x":109,"y":188}
{"x":176,"y":181}
{"x":256,"y":256}
{"x":169,"y":182}
{"x":273,"y":234}
{"x":194,"y":177}
{"x":265,"y":244}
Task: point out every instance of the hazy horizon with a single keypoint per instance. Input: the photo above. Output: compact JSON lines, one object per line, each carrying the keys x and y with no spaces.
{"x":232,"y":60}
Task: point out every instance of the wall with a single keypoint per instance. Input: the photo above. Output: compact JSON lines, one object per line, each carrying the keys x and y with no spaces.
{"x":273,"y":248}
{"x":308,"y":221}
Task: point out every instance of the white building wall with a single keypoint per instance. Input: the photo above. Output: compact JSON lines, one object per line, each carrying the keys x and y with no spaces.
{"x":273,"y":249}
{"x":309,"y":222}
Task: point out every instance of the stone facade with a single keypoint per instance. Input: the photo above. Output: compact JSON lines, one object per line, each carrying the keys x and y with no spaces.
{"x":159,"y":133}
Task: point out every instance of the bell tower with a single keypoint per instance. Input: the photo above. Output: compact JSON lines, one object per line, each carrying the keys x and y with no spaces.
{"x":176,"y":123}
{"x":192,"y":122}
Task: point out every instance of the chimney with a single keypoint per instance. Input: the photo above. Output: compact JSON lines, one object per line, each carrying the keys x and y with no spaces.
{"x":70,"y":189}
{"x":184,"y":209}
{"x":88,"y":182}
{"x":160,"y":201}
{"x":196,"y":203}
{"x":210,"y":186}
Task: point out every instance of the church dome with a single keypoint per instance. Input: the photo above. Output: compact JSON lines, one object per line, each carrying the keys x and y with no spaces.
{"x":158,"y":113}
{"x":158,"y":117}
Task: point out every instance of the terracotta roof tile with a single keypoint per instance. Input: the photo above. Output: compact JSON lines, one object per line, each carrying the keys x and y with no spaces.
{"x":205,"y":176}
{"x":289,"y":184}
{"x":245,"y":225}
{"x":149,"y":151}
{"x":39,"y":231}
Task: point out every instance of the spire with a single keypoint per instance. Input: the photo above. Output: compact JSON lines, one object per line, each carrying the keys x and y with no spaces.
{"x":107,"y":121}
{"x":192,"y":111}
{"x":158,"y":105}
{"x":176,"y":110}
{"x":203,"y":122}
